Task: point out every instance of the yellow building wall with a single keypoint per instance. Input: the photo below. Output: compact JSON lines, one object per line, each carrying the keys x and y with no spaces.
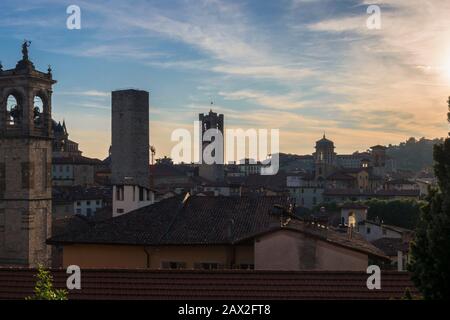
{"x":117,"y":256}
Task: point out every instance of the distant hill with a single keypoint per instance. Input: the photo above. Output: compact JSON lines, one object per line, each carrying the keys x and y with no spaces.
{"x":413,"y":155}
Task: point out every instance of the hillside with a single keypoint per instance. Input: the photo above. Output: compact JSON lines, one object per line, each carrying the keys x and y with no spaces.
{"x":413,"y":155}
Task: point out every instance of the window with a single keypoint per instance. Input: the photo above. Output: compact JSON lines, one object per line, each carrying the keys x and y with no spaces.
{"x":88,"y":203}
{"x":384,"y":232}
{"x":173,"y":265}
{"x":78,"y":203}
{"x":97,"y":202}
{"x":208,"y":265}
{"x":246,"y":266}
{"x":2,"y":220}
{"x":119,"y":193}
{"x":368,"y":230}
{"x":314,"y":201}
{"x":141,"y":194}
{"x":88,"y":212}
{"x":119,"y":210}
{"x":78,"y":211}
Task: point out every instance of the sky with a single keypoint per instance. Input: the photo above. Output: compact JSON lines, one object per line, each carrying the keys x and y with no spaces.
{"x":305,"y":67}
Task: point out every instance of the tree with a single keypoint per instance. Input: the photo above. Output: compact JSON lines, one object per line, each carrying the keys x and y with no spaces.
{"x":44,"y":290}
{"x":430,"y":250}
{"x":398,"y":212}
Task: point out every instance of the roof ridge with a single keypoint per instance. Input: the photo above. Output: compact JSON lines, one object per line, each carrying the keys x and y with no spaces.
{"x":180,"y":207}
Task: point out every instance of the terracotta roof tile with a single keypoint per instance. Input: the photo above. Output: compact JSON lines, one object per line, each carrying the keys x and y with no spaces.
{"x":202,"y":220}
{"x":210,"y":285}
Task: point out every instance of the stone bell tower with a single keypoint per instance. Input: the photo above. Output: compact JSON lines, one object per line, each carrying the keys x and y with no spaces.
{"x":25,"y":164}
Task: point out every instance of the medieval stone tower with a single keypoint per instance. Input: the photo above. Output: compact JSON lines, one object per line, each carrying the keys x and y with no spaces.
{"x":130,"y":151}
{"x":25,"y":164}
{"x":208,"y":121}
{"x":212,"y":172}
{"x":324,"y":158}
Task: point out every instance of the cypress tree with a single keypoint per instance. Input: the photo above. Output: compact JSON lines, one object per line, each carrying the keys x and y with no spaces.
{"x":430,"y":250}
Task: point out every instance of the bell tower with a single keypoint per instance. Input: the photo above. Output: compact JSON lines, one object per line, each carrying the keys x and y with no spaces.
{"x":25,"y":163}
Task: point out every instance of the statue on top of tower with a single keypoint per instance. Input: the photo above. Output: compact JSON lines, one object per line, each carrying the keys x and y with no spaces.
{"x":26,"y":44}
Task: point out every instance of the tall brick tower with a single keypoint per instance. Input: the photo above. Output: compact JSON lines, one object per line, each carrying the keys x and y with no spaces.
{"x":130,"y":171}
{"x":212,"y":172}
{"x":25,"y":164}
{"x":208,"y":121}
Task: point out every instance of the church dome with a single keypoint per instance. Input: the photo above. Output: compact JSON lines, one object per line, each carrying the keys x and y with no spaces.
{"x":324,"y":142}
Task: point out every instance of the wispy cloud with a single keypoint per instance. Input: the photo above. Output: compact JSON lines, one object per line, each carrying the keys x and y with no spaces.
{"x":86,"y":93}
{"x":305,"y":66}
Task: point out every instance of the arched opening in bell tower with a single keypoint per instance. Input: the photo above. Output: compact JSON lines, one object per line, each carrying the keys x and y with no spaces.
{"x":38,"y":111}
{"x":14,"y":110}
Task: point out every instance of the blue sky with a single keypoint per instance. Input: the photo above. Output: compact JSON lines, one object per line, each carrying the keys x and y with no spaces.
{"x":302,"y":66}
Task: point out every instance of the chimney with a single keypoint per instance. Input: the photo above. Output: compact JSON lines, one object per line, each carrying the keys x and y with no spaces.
{"x":350,"y":232}
{"x":230,"y":229}
{"x":400,"y":260}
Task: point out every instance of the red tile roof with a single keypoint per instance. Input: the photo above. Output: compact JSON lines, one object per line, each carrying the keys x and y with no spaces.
{"x":218,"y":284}
{"x":76,"y":160}
{"x":203,"y":220}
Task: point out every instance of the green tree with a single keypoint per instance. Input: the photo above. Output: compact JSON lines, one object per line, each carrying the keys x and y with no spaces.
{"x":44,"y":290}
{"x":398,"y":212}
{"x":430,"y":250}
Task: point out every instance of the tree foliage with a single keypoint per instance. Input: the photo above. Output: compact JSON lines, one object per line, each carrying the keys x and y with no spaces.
{"x":413,"y":154}
{"x":401,"y":213}
{"x":430,"y":250}
{"x":44,"y":289}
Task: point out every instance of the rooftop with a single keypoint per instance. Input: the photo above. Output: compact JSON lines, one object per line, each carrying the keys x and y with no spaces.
{"x":76,"y":160}
{"x":391,"y":246}
{"x":107,"y":284}
{"x":205,"y":220}
{"x":63,"y":194}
